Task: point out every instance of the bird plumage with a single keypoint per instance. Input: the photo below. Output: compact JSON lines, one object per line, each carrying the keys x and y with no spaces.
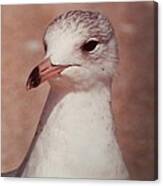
{"x":78,"y":138}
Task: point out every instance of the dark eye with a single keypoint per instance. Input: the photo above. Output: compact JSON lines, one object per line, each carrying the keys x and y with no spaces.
{"x":90,"y":45}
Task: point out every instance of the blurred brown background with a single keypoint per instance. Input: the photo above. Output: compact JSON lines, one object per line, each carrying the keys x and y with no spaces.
{"x":133,"y":88}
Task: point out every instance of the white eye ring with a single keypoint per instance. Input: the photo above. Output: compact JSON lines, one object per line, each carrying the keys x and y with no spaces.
{"x":91,"y":45}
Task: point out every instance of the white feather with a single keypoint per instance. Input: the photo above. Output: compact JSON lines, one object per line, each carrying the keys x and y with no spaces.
{"x":78,"y":139}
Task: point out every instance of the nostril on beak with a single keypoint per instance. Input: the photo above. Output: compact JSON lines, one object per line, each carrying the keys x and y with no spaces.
{"x":34,"y":79}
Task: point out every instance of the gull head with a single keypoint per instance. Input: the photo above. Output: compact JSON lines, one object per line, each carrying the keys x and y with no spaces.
{"x":80,"y":50}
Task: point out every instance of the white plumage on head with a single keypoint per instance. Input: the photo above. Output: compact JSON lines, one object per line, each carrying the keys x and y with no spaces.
{"x":78,"y":139}
{"x":85,"y":38}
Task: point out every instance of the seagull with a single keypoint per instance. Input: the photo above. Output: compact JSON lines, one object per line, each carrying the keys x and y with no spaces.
{"x":76,"y":134}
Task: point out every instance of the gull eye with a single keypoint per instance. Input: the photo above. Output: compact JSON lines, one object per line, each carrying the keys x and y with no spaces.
{"x":90,"y":45}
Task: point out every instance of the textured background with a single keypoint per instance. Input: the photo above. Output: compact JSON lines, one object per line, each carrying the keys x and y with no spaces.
{"x":133,"y":87}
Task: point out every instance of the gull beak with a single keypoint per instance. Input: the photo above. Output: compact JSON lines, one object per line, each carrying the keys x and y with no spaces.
{"x":43,"y":72}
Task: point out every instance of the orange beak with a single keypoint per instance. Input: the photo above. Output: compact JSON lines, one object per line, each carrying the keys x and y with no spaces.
{"x":44,"y":71}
